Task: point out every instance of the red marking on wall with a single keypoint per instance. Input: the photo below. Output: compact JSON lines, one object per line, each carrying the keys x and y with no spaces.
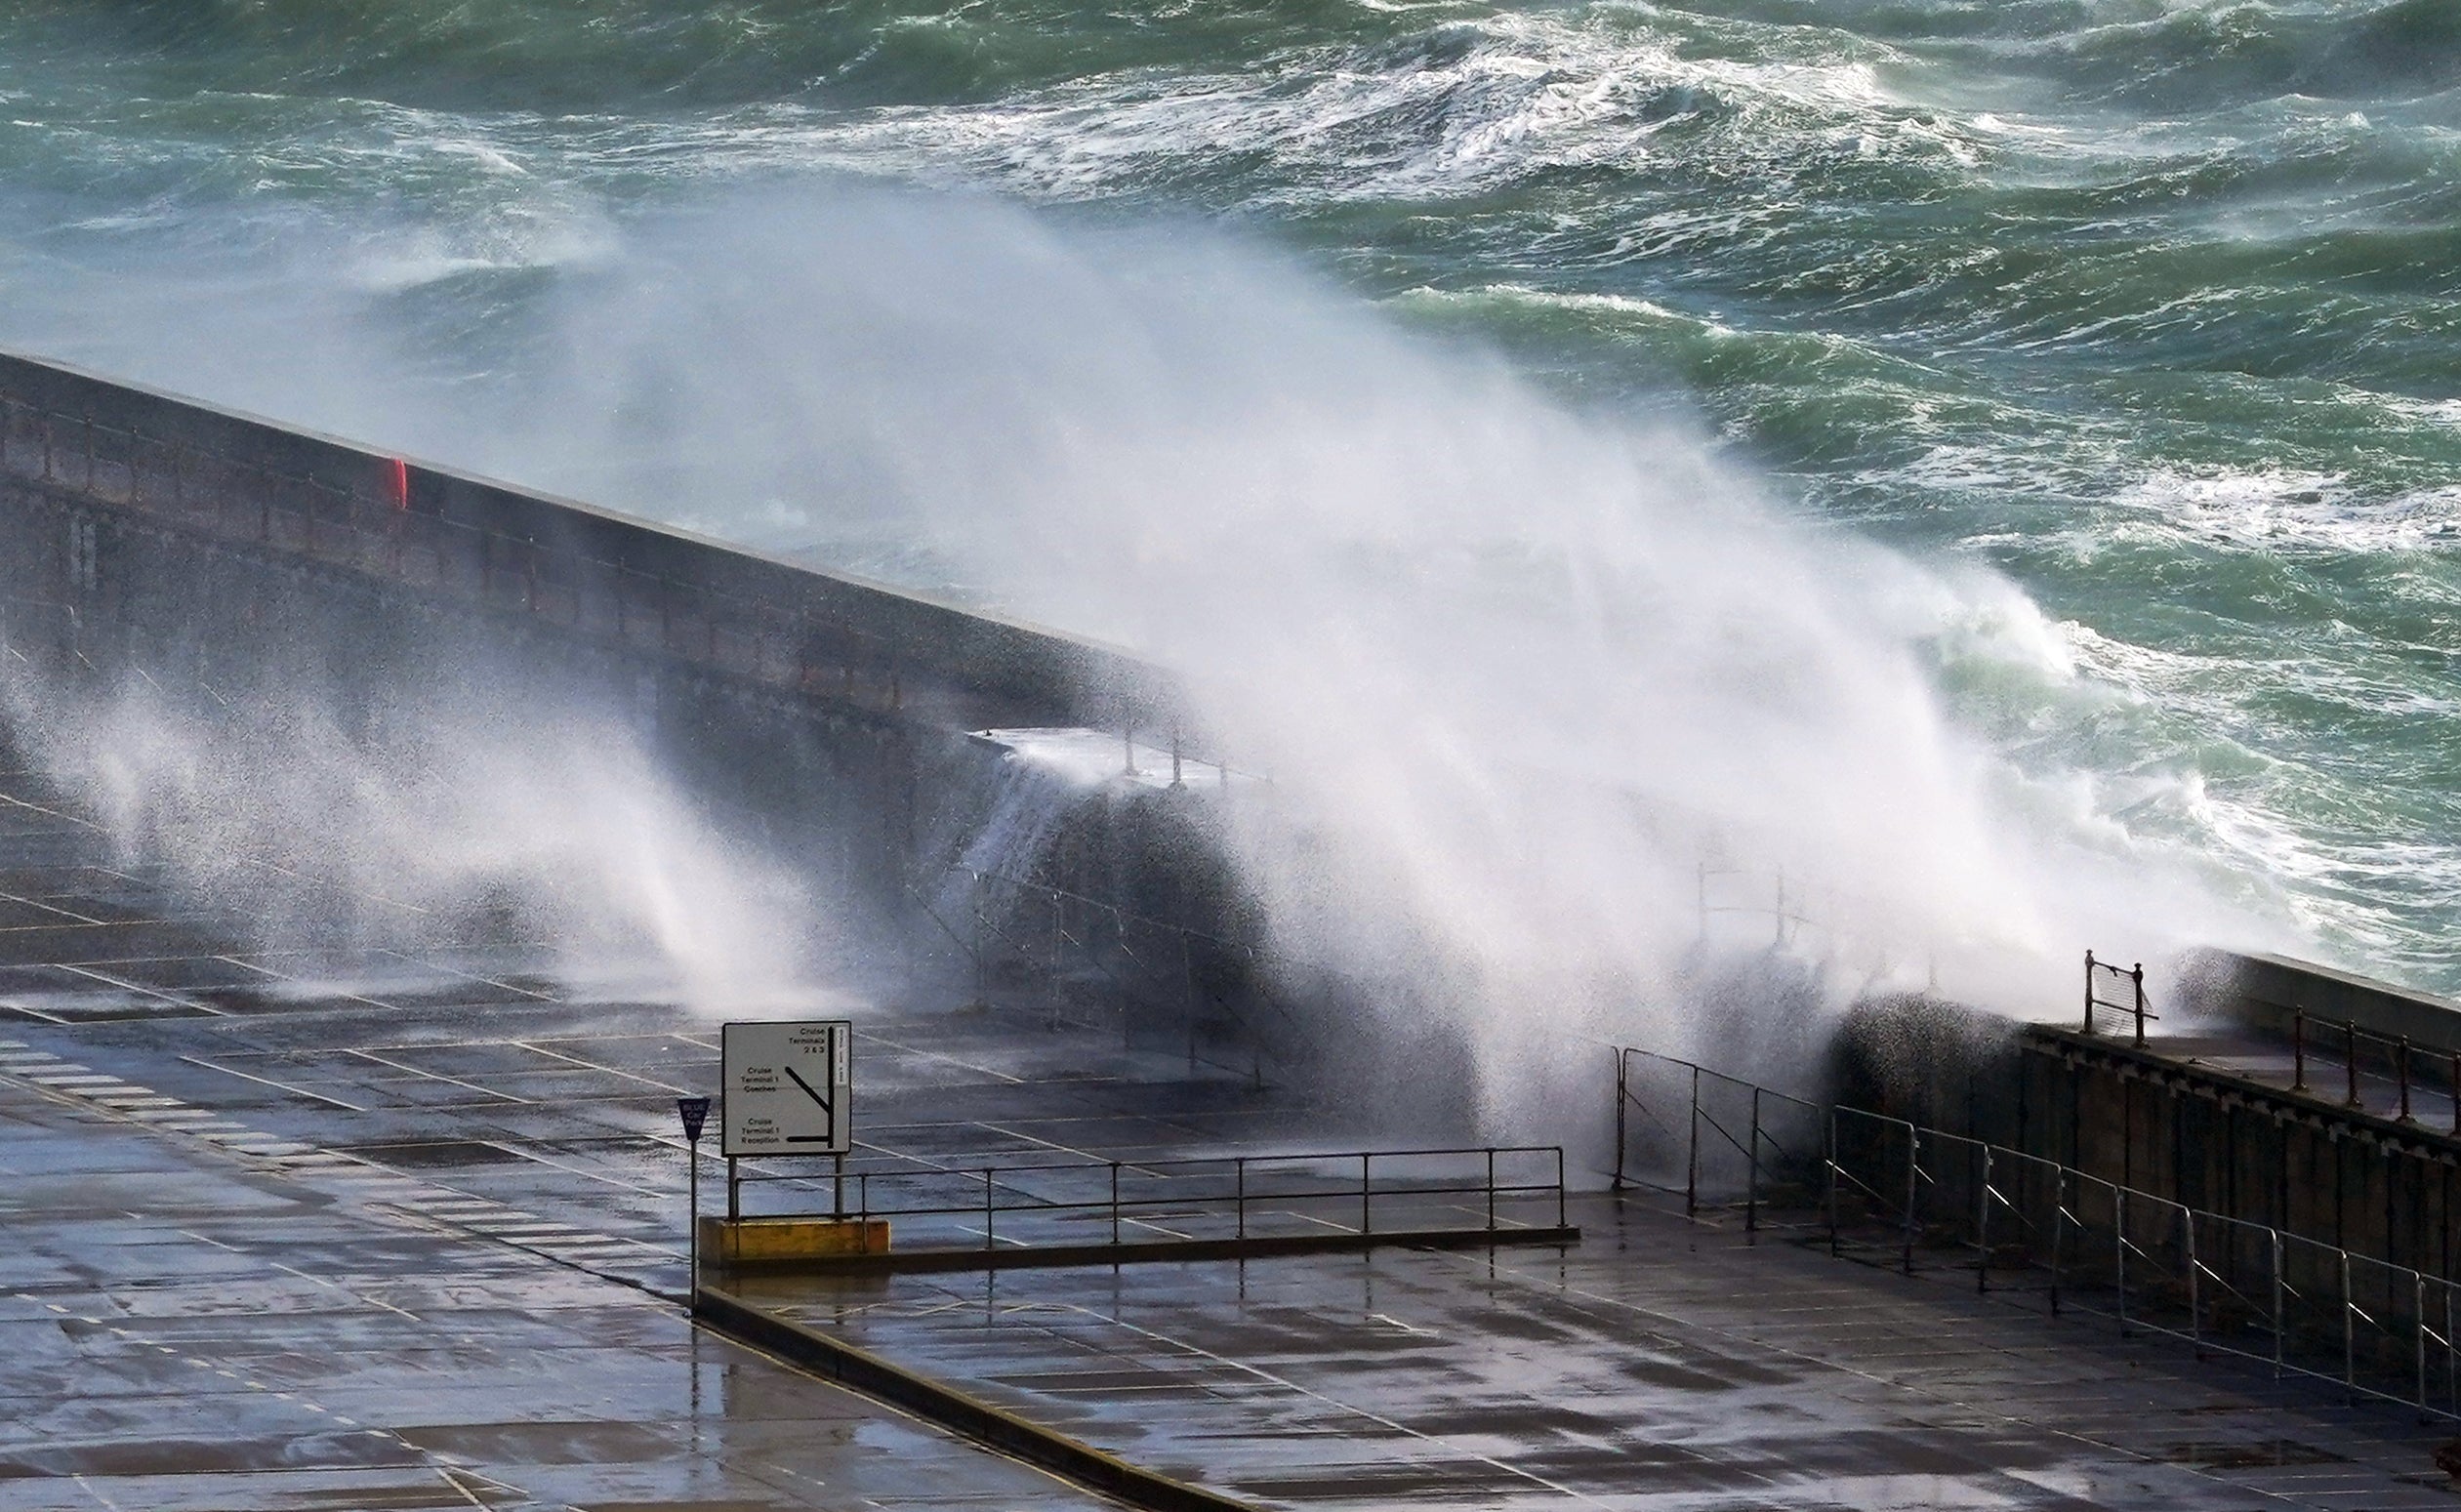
{"x":399,"y":482}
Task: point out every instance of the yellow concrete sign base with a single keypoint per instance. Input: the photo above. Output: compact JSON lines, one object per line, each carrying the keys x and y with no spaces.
{"x":760,"y":1241}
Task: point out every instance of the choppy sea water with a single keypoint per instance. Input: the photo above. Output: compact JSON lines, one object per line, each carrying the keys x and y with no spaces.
{"x":2148,"y":309}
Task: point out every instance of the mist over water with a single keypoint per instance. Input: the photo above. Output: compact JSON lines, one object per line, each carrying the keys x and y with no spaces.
{"x":1992,"y":469}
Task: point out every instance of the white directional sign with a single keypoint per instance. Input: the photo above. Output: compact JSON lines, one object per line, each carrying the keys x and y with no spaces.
{"x":790,"y":1088}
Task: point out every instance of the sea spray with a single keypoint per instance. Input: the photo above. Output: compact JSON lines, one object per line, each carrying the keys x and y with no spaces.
{"x":1518,"y":673}
{"x":437,"y":818}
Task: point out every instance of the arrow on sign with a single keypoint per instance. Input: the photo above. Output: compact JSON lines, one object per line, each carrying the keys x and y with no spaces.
{"x":812,"y":1139}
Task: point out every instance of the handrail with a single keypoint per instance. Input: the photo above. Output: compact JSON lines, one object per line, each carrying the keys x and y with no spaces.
{"x":2178,"y":1251}
{"x":1002,"y":1192}
{"x":2402,"y":1056}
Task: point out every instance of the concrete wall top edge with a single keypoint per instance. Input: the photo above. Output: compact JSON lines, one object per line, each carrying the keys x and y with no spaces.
{"x":2269,"y":991}
{"x":1084,"y":679}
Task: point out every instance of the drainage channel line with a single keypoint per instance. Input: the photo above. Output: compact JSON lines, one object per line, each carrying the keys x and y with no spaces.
{"x":477,"y":1216}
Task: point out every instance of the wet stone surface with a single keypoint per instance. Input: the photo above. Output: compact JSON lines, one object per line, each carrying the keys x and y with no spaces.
{"x":368,"y":1229}
{"x":1660,"y":1365}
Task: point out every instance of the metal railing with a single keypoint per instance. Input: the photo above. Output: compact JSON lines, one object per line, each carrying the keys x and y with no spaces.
{"x":2400,"y":1058}
{"x":1772,"y":1142}
{"x":2026,"y":1224}
{"x":1232,"y":1196}
{"x":2101,"y":972}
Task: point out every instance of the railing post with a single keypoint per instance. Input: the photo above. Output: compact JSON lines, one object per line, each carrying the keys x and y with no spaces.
{"x":2349,"y":1333}
{"x":1913,"y":1189}
{"x":1692,"y":1156}
{"x":2298,"y":1056}
{"x":1983,"y":1228}
{"x":1490,"y":1187}
{"x":1622,"y":1094}
{"x":2278,"y":1301}
{"x":2195,"y":1323}
{"x":2277,"y":1287}
{"x":1752,"y":1181}
{"x":1830,"y":1159}
{"x":2418,"y":1285}
{"x":2350,"y":1056}
{"x":2402,"y":1076}
{"x":987,"y":1220}
{"x":2089,"y":992}
{"x":1114,"y":1201}
{"x":2059,"y":1230}
{"x":1366,"y":1206}
{"x":2120,"y":1249}
{"x":2138,"y":975}
{"x":1239,"y":1174}
{"x":1559,"y":1186}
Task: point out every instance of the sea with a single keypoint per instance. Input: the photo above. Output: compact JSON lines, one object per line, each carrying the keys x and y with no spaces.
{"x":2092,"y":367}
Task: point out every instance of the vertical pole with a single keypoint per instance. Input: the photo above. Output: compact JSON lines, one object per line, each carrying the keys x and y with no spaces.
{"x":2349,"y":1055}
{"x":2120,"y":1249}
{"x":1692,"y":1156}
{"x":2349,"y":1333}
{"x":982,"y":966}
{"x":2402,"y":1077}
{"x":1830,"y":1159}
{"x":1366,"y":1206}
{"x":1622,"y":1058}
{"x":2276,"y":1235}
{"x":2298,"y":1052}
{"x":1983,"y":1228}
{"x":2059,"y":1230}
{"x":2195,"y":1323}
{"x":1240,"y":1175}
{"x":1559,"y":1186}
{"x":1752,"y":1182}
{"x":2418,"y":1286}
{"x":692,"y":1163}
{"x":2139,"y":977}
{"x":1491,"y":1186}
{"x":1914,"y":1176}
{"x":734,"y":1191}
{"x":987,"y":1241}
{"x":837,"y":1187}
{"x":1114,"y":1201}
{"x":2455,"y":1084}
{"x":2089,"y":992}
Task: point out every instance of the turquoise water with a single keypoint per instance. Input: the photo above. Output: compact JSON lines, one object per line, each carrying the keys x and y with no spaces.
{"x":2149,"y":309}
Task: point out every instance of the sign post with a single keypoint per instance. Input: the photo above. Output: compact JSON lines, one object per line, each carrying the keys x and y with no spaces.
{"x":790,"y":1091}
{"x":695,"y":1112}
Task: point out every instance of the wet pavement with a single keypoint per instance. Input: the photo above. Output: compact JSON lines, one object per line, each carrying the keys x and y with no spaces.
{"x":1660,"y":1365}
{"x":365,"y":1228}
{"x":181,"y":1327}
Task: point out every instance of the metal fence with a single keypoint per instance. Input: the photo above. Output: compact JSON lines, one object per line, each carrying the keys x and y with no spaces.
{"x":1918,"y":1198}
{"x":2368,"y":1056}
{"x":1363,"y":1192}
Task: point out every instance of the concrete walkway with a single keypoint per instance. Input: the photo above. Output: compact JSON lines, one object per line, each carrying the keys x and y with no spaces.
{"x":185,"y":1329}
{"x":1659,"y":1365}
